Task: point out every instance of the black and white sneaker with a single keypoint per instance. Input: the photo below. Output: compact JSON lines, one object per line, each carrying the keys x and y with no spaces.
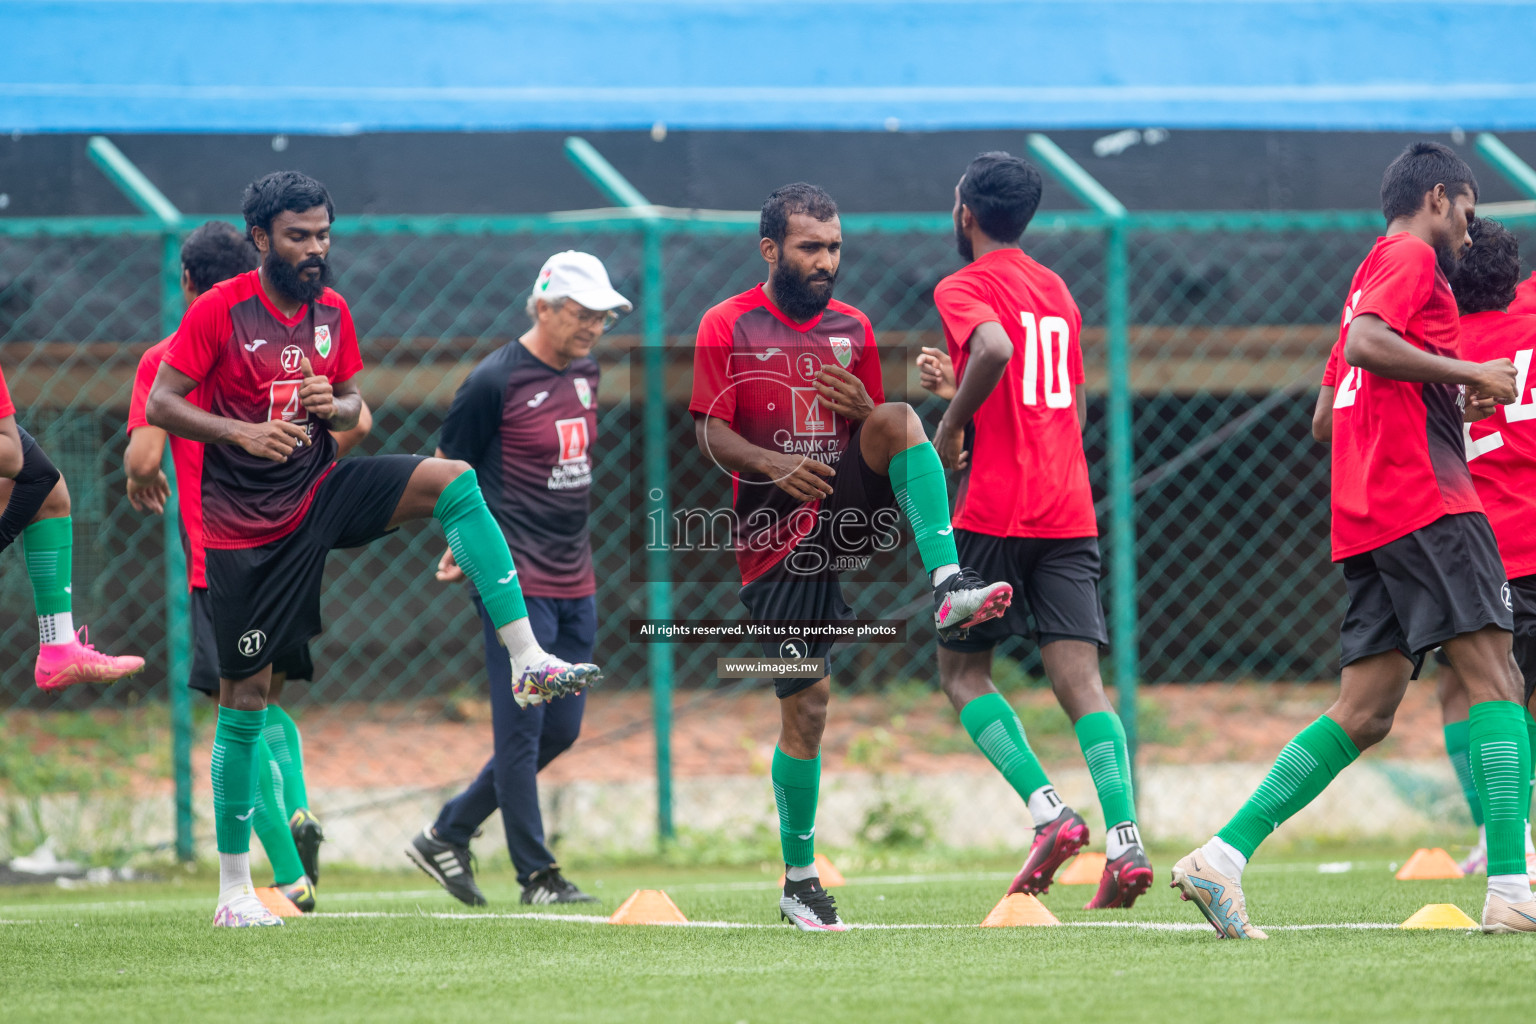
{"x":451,"y":867}
{"x":550,"y":886}
{"x":809,"y":907}
{"x":964,"y":600}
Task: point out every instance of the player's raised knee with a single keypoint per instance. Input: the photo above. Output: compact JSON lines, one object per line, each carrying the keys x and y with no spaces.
{"x":897,"y":420}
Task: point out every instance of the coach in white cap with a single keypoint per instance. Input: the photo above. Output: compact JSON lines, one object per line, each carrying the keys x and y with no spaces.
{"x":526,"y":419}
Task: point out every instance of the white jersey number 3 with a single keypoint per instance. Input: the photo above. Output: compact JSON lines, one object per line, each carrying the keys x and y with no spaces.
{"x":1045,"y":354}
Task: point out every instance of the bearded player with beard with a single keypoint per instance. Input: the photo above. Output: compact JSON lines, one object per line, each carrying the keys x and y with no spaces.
{"x":273,"y":357}
{"x":787,"y":399}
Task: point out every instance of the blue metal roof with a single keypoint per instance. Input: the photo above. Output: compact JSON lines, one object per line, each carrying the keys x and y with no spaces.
{"x":340,"y":66}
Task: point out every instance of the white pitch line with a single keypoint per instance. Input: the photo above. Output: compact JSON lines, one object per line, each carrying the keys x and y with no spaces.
{"x":1155,"y":926}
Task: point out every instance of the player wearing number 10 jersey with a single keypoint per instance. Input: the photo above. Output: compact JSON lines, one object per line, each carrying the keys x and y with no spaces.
{"x":1024,"y":514}
{"x":1419,"y":558}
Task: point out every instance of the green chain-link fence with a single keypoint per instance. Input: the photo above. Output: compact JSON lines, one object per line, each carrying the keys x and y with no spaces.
{"x":1227,"y":319}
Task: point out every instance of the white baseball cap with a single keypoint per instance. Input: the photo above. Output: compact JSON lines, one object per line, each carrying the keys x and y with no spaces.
{"x":578,"y":276}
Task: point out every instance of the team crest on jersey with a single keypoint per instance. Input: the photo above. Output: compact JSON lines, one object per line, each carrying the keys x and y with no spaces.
{"x":842,"y":348}
{"x":583,"y":392}
{"x":323,"y":339}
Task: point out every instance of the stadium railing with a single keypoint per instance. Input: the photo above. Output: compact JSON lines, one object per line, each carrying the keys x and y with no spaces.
{"x":1204,"y":338}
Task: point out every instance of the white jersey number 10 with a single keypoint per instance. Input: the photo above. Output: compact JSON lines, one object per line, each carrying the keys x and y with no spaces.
{"x":1045,"y":354}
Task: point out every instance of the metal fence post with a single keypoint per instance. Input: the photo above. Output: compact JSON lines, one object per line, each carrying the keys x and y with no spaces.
{"x":143,"y":194}
{"x":1516,"y":171}
{"x":1124,"y":653}
{"x":659,"y":662}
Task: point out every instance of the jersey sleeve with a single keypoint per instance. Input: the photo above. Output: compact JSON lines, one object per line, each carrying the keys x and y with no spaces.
{"x":712,"y":394}
{"x":7,"y":407}
{"x":347,"y":352}
{"x":1331,"y":371}
{"x":143,"y":380}
{"x":475,"y":415}
{"x":867,"y":369}
{"x":1398,"y":285}
{"x":962,"y":308}
{"x":199,"y":341}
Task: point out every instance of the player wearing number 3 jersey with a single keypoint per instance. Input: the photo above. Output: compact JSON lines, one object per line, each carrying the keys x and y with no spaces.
{"x":1419,"y":558}
{"x":273,"y":357}
{"x":1024,"y":514}
{"x":787,"y":399}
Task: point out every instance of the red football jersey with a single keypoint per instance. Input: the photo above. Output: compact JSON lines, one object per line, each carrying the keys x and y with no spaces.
{"x":7,"y":407}
{"x":1027,"y":457}
{"x":247,"y":360}
{"x":1399,"y":461}
{"x":1501,"y":450}
{"x":755,"y":368}
{"x":1525,"y":296}
{"x":186,"y":455}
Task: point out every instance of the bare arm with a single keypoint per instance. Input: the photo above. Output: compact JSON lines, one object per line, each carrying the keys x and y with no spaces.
{"x":990,"y":352}
{"x":169,"y":409}
{"x":148,"y":488}
{"x":346,"y":440}
{"x":10,"y":448}
{"x":1078,"y":396}
{"x":1377,"y":348}
{"x":800,"y":477}
{"x":1322,"y":415}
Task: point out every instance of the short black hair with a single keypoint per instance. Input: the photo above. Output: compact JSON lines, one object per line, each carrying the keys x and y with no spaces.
{"x":1417,"y":170}
{"x":783,"y":202}
{"x":267,"y":197}
{"x":1002,"y":193}
{"x":214,"y":252}
{"x":1488,"y":273}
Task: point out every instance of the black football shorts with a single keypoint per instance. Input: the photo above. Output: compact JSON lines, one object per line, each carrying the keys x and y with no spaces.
{"x":1416,"y":592}
{"x":266,"y":600}
{"x":1056,"y":580}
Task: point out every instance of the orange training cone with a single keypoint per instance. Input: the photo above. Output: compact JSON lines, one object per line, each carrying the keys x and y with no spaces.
{"x":1085,"y":869}
{"x":1018,"y":909}
{"x":1439,"y":915}
{"x":827,"y":872}
{"x":648,"y":906}
{"x":1432,"y":863}
{"x":277,"y":903}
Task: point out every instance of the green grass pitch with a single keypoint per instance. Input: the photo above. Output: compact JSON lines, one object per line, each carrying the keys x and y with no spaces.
{"x":377,"y":953}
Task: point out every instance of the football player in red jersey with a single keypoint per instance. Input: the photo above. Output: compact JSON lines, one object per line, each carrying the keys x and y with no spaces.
{"x":289,"y":832}
{"x":1501,"y":453}
{"x":272,"y":357}
{"x":1420,"y":560}
{"x":787,"y":399}
{"x":36,"y":506}
{"x":1024,"y":514}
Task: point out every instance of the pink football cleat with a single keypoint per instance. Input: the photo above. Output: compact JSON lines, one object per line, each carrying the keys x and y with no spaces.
{"x":61,"y":665}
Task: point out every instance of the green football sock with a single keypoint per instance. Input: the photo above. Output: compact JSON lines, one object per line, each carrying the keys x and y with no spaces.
{"x":270,"y":821}
{"x":1312,"y":759}
{"x":1458,"y":736}
{"x":50,"y":553}
{"x":233,"y":768}
{"x":917,"y":477}
{"x":996,"y":729}
{"x":1499,"y":748}
{"x":1530,"y":735}
{"x":1102,"y":738}
{"x":281,"y":736}
{"x":796,"y":783}
{"x":480,"y":548}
